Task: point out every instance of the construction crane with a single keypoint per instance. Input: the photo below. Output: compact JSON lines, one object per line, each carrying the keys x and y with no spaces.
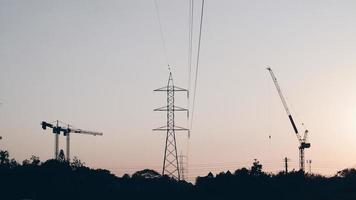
{"x":57,"y":130}
{"x":303,"y":144}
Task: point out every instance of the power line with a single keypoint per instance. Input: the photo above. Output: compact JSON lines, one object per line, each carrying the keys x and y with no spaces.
{"x":197,"y":63}
{"x":190,"y":45}
{"x":190,"y":55}
{"x":161,"y":33}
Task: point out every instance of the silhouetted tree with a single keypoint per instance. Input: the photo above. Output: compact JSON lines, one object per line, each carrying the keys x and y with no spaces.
{"x":210,"y":175}
{"x":347,"y":173}
{"x":241,"y":172}
{"x":256,"y":168}
{"x":4,"y":157}
{"x":147,"y":174}
{"x":76,"y":163}
{"x":61,"y":156}
{"x":13,"y":163}
{"x":35,"y":160}
{"x":25,"y":162}
{"x":126,"y":177}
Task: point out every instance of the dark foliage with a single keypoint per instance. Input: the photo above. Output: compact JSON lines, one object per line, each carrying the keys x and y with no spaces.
{"x":58,"y":179}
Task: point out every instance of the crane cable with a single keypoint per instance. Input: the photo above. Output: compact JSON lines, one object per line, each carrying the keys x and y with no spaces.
{"x":197,"y":63}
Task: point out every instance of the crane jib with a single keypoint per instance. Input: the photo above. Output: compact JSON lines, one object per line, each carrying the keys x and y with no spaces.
{"x":293,"y":124}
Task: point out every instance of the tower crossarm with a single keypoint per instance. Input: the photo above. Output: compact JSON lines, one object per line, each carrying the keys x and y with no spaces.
{"x":175,"y":108}
{"x":166,"y":128}
{"x":172,"y":89}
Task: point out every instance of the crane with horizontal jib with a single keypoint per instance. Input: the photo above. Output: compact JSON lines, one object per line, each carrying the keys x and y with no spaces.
{"x":66,"y":130}
{"x":303,"y":144}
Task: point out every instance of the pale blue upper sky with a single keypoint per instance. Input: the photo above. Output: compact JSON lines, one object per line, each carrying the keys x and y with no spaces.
{"x":94,"y":65}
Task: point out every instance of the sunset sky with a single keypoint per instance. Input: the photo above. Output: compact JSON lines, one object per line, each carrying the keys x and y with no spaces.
{"x":95,"y":64}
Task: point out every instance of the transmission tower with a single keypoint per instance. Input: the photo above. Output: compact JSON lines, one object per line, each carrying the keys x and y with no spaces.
{"x":170,"y":160}
{"x":182,"y":168}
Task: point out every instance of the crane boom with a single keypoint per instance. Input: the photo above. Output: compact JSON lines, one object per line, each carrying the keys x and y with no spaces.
{"x":80,"y":131}
{"x":58,"y":129}
{"x":283,"y":101}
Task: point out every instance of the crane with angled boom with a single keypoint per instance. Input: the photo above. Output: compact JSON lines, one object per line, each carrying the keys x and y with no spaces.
{"x":303,"y":144}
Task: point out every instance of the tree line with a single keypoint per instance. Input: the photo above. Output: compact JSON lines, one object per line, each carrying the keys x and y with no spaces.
{"x":59,"y":179}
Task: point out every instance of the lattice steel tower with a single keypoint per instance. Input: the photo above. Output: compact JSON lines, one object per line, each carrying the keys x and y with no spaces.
{"x":170,"y":160}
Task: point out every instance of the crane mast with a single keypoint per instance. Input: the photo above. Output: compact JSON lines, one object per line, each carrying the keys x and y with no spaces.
{"x":302,"y":141}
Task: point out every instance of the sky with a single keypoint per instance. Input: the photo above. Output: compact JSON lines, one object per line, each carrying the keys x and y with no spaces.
{"x":95,"y":64}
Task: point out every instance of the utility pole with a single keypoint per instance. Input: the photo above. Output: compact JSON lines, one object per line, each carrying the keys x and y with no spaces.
{"x":170,"y":159}
{"x":286,"y":165}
